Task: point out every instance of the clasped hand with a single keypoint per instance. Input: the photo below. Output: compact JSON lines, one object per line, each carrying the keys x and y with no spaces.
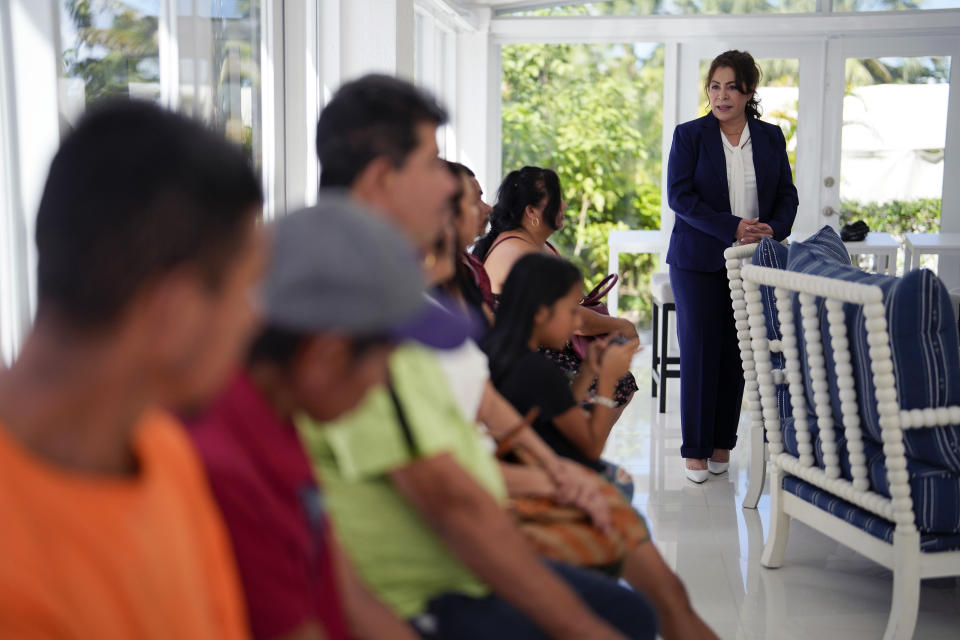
{"x":612,"y":358}
{"x":581,"y":488}
{"x":750,"y":231}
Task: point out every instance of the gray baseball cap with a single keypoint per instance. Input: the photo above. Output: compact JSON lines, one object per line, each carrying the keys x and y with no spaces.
{"x":335,"y":266}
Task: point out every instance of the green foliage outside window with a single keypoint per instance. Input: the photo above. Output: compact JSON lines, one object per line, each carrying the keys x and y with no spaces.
{"x":110,"y":57}
{"x":897,"y":217}
{"x":593,"y":113}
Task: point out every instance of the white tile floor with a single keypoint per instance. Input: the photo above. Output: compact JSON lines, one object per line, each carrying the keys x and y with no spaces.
{"x":824,"y":591}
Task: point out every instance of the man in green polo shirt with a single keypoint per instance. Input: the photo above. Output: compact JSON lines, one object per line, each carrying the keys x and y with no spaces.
{"x":416,"y":496}
{"x":393,"y":545}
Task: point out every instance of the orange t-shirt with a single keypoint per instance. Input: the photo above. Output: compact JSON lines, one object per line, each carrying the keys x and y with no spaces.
{"x":83,"y":556}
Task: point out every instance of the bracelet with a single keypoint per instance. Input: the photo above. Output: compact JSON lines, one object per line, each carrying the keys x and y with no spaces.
{"x":605,"y":402}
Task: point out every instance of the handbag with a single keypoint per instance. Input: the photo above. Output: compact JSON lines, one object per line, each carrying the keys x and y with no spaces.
{"x":564,"y":532}
{"x":593,"y":302}
{"x":854,"y":232}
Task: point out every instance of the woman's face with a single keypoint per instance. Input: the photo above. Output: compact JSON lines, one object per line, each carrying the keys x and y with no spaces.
{"x":726,"y":101}
{"x":561,"y":214}
{"x":561,"y":321}
{"x":440,"y":263}
{"x":469,"y":213}
{"x":484,"y":208}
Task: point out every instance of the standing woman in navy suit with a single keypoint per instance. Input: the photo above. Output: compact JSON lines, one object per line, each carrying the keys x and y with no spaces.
{"x":729,"y":182}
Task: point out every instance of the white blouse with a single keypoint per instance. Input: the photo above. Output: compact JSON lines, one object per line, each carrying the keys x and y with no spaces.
{"x":741,"y":176}
{"x":468,"y":371}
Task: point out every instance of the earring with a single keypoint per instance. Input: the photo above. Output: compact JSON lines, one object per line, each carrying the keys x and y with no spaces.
{"x":429,"y":260}
{"x":536,"y":222}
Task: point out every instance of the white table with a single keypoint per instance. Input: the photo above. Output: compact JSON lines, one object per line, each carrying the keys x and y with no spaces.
{"x":882,"y":246}
{"x":631,"y":242}
{"x":916,"y":244}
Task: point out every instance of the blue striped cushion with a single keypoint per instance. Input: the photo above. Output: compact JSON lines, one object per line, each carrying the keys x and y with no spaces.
{"x":791,"y":444}
{"x":926,"y":352}
{"x":872,"y":524}
{"x":935,"y":491}
{"x":926,"y":357}
{"x":925,"y":349}
{"x":822,"y":249}
{"x":770,"y":253}
{"x":789,"y":431}
{"x":829,"y":243}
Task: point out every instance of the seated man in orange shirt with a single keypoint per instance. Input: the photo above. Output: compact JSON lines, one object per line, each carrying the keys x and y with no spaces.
{"x":148,"y":251}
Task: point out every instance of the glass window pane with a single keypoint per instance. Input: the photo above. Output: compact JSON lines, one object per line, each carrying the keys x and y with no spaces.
{"x":594,"y":114}
{"x":219,"y":48}
{"x":109,"y":50}
{"x":673,"y":7}
{"x":893,"y":5}
{"x":892,"y":146}
{"x":779,"y":95}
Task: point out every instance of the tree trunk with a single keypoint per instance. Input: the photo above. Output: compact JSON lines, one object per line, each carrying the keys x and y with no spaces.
{"x":581,"y":224}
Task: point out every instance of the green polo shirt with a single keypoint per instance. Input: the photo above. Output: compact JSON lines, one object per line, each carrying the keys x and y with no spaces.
{"x":393,"y":548}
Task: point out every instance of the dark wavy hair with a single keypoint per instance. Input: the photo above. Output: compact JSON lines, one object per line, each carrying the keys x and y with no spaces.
{"x":462,"y":279}
{"x":133,"y":193}
{"x":373,"y":116}
{"x":747,"y":73}
{"x":536,"y":280}
{"x":520,"y":189}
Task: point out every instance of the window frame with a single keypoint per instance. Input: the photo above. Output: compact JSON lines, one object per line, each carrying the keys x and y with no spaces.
{"x":436,"y":57}
{"x":682,"y":35}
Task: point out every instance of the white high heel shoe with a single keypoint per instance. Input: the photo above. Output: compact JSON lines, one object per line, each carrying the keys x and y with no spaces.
{"x":696,"y":475}
{"x":716,"y":468}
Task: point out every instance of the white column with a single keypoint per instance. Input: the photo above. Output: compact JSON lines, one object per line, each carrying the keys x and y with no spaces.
{"x":376,"y":36}
{"x":811,"y":189}
{"x":331,"y":50}
{"x":831,"y":136}
{"x":30,"y":130}
{"x":272,"y":110}
{"x":473,"y":120}
{"x":169,"y":53}
{"x":672,"y":116}
{"x":494,"y":133}
{"x":302,"y":95}
{"x":405,"y":37}
{"x":950,"y":205}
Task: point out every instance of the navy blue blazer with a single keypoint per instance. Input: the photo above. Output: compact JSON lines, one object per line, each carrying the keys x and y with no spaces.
{"x":698,"y":194}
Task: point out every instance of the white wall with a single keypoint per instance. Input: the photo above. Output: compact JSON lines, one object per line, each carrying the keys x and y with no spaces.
{"x":477,"y":119}
{"x":30,"y":134}
{"x":376,"y":36}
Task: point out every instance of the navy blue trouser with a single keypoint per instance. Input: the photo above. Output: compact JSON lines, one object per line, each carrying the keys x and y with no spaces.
{"x":454,"y":616}
{"x":711,"y":375}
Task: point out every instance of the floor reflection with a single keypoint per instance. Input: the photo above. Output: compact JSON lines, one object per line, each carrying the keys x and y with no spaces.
{"x":823,"y":591}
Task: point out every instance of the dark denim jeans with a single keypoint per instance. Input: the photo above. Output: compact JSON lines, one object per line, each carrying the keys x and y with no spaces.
{"x":456,"y":616}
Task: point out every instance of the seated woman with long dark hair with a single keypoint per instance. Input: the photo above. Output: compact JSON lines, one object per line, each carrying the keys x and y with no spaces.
{"x":539,"y":309}
{"x":529,"y":210}
{"x":602,"y":531}
{"x":469,"y":288}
